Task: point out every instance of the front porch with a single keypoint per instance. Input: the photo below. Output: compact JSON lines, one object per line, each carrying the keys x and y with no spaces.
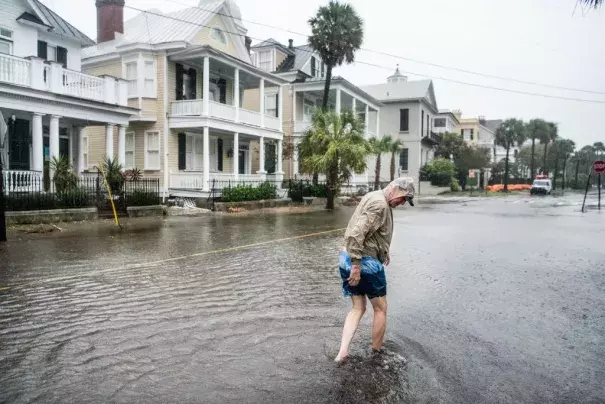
{"x":210,"y":160}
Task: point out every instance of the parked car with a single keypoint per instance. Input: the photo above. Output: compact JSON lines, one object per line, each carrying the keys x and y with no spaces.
{"x":541,"y":185}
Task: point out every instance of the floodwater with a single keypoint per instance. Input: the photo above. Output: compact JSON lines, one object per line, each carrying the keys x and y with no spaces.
{"x":496,"y":300}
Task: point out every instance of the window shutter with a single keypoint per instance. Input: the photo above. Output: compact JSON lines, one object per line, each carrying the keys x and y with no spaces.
{"x":42,"y":50}
{"x":179,"y":81}
{"x":404,"y":120}
{"x":313,"y":66}
{"x":182,"y":151}
{"x":222,"y":88}
{"x":62,"y":56}
{"x":219,"y":147}
{"x":193,"y":76}
{"x":422,"y":124}
{"x":277,"y":105}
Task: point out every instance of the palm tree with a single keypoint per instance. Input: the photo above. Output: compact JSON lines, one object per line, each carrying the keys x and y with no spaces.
{"x":511,"y":133}
{"x":378,"y":147}
{"x":592,"y":3}
{"x":336,"y":34}
{"x":334,"y":145}
{"x":395,"y":148}
{"x":550,"y":135}
{"x":536,"y":129}
{"x":599,"y":148}
{"x":567,"y":148}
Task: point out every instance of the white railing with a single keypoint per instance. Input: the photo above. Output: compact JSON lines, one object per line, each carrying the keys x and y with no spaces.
{"x":188,"y":108}
{"x":301,"y":126}
{"x":222,"y":111}
{"x":271,"y":122}
{"x":187,"y":180}
{"x":22,"y":181}
{"x":83,"y":85}
{"x":15,"y":70}
{"x":249,"y":117}
{"x":52,"y":77}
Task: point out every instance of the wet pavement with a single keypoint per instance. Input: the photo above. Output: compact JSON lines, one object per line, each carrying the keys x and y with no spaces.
{"x":492,"y":300}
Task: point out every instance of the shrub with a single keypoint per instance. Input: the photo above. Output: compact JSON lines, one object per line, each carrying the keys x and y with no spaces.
{"x":454,"y":186}
{"x":425,"y":173}
{"x":241,"y":193}
{"x":64,"y":177}
{"x":303,"y":189}
{"x":113,"y":174}
{"x":140,"y":197}
{"x":73,"y":198}
{"x":441,"y":171}
{"x":134,"y":174}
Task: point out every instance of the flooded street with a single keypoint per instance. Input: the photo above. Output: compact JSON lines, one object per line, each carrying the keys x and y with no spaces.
{"x":495,"y":300}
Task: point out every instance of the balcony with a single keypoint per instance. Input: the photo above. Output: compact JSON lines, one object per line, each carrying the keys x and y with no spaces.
{"x":34,"y":73}
{"x":225,"y":112}
{"x":433,"y":138}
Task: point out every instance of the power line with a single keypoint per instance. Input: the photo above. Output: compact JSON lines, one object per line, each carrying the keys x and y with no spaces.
{"x":487,"y":75}
{"x":389,"y":68}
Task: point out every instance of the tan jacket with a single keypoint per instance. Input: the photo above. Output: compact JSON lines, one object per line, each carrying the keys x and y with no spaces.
{"x":370,"y":229}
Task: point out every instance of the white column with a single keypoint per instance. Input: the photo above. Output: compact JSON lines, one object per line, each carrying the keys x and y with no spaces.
{"x":109,"y":140}
{"x":122,"y":145}
{"x":377,"y":124}
{"x":280,"y":168}
{"x":80,"y":158}
{"x":295,"y":167}
{"x":367,"y":121}
{"x":354,"y":106}
{"x":280,"y":108}
{"x":206,"y":85}
{"x":37,"y":143}
{"x":236,"y":100}
{"x":236,"y":155}
{"x":262,"y":102}
{"x":261,"y":155}
{"x":206,"y":161}
{"x":54,"y":142}
{"x":338,"y":94}
{"x":293,"y":112}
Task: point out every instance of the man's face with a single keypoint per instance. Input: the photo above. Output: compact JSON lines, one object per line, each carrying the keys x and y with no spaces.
{"x":400,"y":200}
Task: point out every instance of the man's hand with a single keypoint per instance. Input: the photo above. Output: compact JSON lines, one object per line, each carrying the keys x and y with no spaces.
{"x":355,"y":275}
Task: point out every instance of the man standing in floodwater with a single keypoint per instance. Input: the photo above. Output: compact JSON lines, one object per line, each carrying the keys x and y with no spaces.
{"x":367,"y":244}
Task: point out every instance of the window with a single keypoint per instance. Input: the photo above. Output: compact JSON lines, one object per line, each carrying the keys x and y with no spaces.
{"x":403,"y":159}
{"x":85,"y":152}
{"x":439,"y":122}
{"x":6,"y":41}
{"x":129,"y":161}
{"x":313,"y":67}
{"x":131,"y":76}
{"x":428,"y":124}
{"x":271,"y":105}
{"x":218,"y":35}
{"x":152,"y":150}
{"x":404,"y":120}
{"x":472,"y":135}
{"x":149,"y":86}
{"x":265,"y":60}
{"x":308,"y":107}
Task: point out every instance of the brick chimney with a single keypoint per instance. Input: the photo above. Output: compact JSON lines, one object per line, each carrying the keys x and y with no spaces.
{"x":291,"y":43}
{"x":248,"y":43}
{"x":110,"y":19}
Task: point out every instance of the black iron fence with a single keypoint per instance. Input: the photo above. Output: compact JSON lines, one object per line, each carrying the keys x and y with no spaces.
{"x":32,"y":194}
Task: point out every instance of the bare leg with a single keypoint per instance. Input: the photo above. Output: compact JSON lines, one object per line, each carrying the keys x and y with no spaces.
{"x":379,"y":325}
{"x":351,"y":324}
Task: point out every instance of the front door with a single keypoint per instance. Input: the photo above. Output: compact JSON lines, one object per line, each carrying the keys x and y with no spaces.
{"x":242,"y":162}
{"x":19,"y":145}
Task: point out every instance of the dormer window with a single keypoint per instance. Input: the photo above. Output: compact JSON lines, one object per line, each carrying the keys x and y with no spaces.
{"x":264,"y":60}
{"x":218,"y":35}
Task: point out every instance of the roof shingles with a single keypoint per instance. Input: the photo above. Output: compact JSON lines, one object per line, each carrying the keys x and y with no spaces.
{"x":62,"y":27}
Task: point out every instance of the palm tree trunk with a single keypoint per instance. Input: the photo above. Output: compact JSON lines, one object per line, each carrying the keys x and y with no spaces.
{"x":392,"y":166}
{"x":377,"y":172}
{"x":544,"y":171}
{"x":324,"y":104}
{"x":533,"y":155}
{"x":564,"y":173}
{"x":331,"y":185}
{"x":506,"y":169}
{"x":554,"y":181}
{"x":577,"y":169}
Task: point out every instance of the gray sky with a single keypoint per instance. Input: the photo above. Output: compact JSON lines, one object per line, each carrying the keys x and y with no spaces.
{"x":546,"y":41}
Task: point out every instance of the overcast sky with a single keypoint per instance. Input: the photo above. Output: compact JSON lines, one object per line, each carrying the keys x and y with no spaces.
{"x":547,"y":41}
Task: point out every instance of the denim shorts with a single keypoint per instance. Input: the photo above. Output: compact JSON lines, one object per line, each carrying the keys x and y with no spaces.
{"x":373,"y":281}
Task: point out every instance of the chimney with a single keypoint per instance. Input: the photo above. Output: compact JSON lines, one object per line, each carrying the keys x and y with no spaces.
{"x":291,"y":43}
{"x":248,"y":43}
{"x":110,"y":19}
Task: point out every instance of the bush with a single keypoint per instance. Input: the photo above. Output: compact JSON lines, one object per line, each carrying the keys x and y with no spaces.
{"x":454,"y":186}
{"x":425,"y":173}
{"x":303,"y":189}
{"x":243,"y":193}
{"x":440,"y":171}
{"x":142,"y":198}
{"x":73,"y":198}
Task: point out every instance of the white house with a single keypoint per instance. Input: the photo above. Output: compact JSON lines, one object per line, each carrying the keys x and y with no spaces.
{"x":44,"y":97}
{"x":446,"y":121}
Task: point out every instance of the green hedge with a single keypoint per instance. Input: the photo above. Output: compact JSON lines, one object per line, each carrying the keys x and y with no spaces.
{"x":243,"y":193}
{"x":142,"y":198}
{"x":301,"y":189}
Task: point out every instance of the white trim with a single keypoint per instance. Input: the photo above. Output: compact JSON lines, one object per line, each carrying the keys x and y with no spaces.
{"x":146,"y":151}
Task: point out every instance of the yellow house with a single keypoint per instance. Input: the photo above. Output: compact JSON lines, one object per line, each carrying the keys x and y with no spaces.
{"x":189,"y":72}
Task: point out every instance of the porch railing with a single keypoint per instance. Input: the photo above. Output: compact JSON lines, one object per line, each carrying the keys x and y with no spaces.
{"x":187,"y":180}
{"x":195,"y":180}
{"x":35,"y":73}
{"x":222,"y":111}
{"x":271,"y":122}
{"x":21,"y":180}
{"x":249,"y":117}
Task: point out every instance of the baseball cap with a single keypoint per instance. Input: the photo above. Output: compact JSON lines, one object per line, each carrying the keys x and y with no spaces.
{"x":407,"y":185}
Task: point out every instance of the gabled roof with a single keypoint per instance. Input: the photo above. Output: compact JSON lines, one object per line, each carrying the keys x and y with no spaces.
{"x":58,"y":25}
{"x":272,"y":42}
{"x":402,"y":91}
{"x":153,"y":27}
{"x":493,"y":124}
{"x":297,"y":60}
